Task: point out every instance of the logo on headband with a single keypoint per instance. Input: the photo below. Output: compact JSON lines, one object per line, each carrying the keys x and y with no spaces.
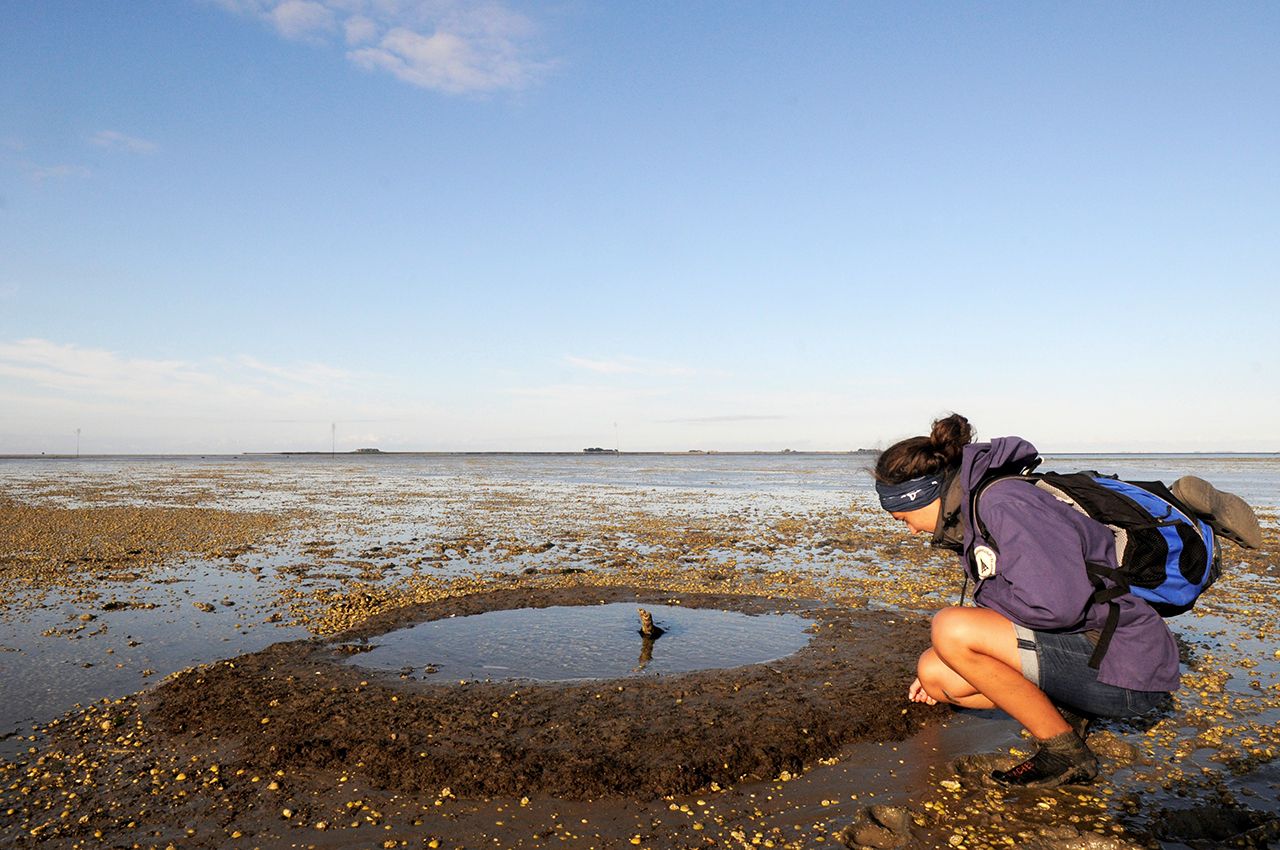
{"x":903,"y":495}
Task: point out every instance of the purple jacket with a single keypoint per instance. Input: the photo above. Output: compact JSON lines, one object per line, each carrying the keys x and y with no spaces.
{"x":1040,"y":580}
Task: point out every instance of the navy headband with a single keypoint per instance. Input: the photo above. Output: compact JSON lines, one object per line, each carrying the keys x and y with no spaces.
{"x":910,"y":494}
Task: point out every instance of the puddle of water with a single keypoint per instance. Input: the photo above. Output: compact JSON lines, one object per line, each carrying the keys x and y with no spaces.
{"x":575,"y":642}
{"x":51,"y":659}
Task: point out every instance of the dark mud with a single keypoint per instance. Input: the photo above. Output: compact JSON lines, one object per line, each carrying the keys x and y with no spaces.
{"x":282,"y":735}
{"x":295,"y":706}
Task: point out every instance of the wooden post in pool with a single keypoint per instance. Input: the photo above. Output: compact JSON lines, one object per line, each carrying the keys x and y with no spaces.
{"x":648,"y":634}
{"x":647,"y":629}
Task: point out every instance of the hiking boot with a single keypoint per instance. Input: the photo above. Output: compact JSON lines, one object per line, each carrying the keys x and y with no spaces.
{"x":1061,"y":760}
{"x":1228,"y":514}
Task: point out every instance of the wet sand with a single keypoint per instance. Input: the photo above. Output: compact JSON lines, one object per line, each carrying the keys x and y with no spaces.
{"x":278,"y":744}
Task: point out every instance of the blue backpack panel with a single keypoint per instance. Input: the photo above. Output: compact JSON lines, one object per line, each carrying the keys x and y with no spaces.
{"x":1169,"y":557}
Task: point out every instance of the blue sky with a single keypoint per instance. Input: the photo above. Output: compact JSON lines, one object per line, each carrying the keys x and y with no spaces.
{"x":226,"y":225}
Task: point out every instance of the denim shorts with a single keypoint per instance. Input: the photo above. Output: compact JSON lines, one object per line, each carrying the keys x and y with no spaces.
{"x":1059,"y":665}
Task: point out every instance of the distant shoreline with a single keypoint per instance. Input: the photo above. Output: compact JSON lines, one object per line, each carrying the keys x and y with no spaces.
{"x":608,"y":454}
{"x":513,"y":453}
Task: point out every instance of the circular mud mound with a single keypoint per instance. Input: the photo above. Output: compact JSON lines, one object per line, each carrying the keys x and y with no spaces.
{"x":298,"y":706}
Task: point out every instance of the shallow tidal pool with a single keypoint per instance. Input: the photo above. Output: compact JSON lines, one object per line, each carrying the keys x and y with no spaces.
{"x":577,"y":642}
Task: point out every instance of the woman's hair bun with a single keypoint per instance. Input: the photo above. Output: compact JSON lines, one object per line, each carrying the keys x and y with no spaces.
{"x":916,"y":456}
{"x":949,"y":436}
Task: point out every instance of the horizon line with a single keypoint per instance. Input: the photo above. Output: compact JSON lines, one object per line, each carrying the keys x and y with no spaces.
{"x":572,"y":453}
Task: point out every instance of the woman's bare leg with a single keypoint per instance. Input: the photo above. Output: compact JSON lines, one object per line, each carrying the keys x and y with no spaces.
{"x":974,"y":663}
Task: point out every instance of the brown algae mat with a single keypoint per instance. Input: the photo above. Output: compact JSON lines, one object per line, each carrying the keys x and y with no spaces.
{"x":43,"y":546}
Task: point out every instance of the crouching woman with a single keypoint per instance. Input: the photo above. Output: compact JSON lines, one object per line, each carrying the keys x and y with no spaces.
{"x":1026,"y":647}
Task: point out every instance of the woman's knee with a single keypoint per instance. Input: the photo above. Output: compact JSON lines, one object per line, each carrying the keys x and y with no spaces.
{"x":954,"y":628}
{"x":934,"y":676}
{"x":959,"y":632}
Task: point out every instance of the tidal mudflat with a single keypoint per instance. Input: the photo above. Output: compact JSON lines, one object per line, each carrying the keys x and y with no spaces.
{"x":181,"y":643}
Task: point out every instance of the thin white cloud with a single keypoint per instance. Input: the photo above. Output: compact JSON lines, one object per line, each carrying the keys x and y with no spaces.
{"x":359,"y":30}
{"x":583,"y":397}
{"x":448,"y":46}
{"x":114,"y":140}
{"x":303,"y":19}
{"x":41,"y":173}
{"x":604,"y":367}
{"x":236,"y":402}
{"x":728,"y":417}
{"x":71,"y":369}
{"x":633,"y":366}
{"x":101,"y":377}
{"x":308,"y":374}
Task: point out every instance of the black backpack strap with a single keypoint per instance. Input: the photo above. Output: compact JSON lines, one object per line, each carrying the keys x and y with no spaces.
{"x":1022,"y":473}
{"x":979,"y":531}
{"x":1105,"y":595}
{"x":1104,"y":640}
{"x":978,"y":527}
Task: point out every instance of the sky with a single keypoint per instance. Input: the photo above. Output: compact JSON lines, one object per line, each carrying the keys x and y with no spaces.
{"x":434,"y":225}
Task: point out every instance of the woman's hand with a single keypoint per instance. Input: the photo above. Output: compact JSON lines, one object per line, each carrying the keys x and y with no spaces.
{"x":917,"y":693}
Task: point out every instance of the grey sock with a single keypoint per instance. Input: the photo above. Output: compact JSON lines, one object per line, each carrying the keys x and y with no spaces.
{"x":1067,"y":744}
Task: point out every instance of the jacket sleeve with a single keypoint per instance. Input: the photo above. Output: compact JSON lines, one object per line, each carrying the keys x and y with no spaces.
{"x":1040,"y":580}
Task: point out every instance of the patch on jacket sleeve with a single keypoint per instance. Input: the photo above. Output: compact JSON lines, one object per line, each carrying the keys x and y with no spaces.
{"x":985,"y":559}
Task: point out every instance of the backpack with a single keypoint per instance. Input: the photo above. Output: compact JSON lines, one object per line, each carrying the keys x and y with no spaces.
{"x":1165,"y":554}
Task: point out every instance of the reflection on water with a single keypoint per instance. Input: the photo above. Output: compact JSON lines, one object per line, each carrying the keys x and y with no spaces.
{"x":571,"y":642}
{"x":76,"y":649}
